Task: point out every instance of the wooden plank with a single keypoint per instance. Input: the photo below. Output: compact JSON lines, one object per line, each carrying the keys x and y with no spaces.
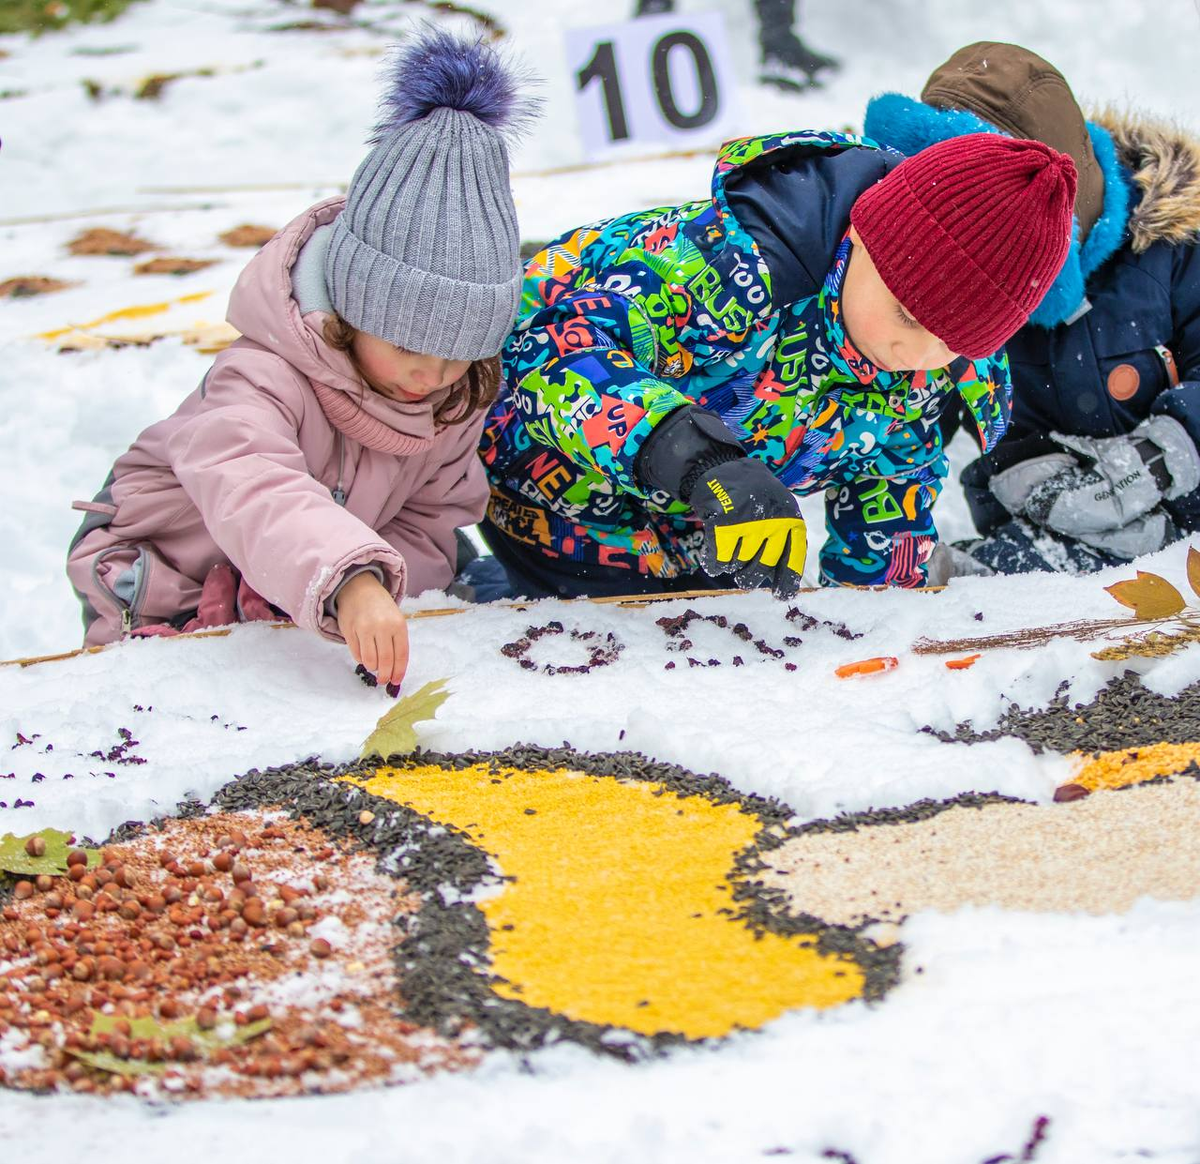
{"x":103,"y":211}
{"x":340,"y":184}
{"x":628,"y":601}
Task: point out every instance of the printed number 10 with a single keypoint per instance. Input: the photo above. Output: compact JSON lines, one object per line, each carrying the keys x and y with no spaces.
{"x":603,"y":67}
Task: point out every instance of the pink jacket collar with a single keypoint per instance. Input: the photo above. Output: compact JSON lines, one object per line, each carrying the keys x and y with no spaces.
{"x":263,"y":309}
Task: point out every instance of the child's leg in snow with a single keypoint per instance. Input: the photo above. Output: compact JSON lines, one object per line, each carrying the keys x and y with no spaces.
{"x":1020,"y":548}
{"x":126,"y":585}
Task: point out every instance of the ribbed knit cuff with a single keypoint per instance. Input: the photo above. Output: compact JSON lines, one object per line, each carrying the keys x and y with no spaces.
{"x":417,"y":310}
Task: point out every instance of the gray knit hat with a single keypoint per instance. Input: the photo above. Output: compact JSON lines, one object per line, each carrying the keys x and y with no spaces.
{"x":425,"y":254}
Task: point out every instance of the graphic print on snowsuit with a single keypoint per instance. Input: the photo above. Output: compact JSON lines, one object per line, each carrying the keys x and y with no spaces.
{"x":627,"y":320}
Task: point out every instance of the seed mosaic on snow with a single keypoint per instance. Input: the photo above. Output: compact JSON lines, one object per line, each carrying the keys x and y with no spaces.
{"x":1081,"y":853}
{"x":323,"y":929}
{"x":618,"y":904}
{"x":1126,"y":735}
{"x":227,"y":954}
{"x":602,"y":648}
{"x":1090,"y":856}
{"x":676,"y":629}
{"x":70,"y":764}
{"x":398,"y":919}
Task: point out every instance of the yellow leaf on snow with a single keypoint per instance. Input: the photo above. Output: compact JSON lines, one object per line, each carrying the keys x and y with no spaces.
{"x":395,"y":734}
{"x":1148,"y":596}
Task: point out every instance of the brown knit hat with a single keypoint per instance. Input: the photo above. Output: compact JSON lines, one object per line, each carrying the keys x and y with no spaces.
{"x":969,"y":234}
{"x":1025,"y":96}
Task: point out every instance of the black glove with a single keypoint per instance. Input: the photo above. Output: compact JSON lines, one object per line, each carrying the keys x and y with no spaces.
{"x":752,"y":525}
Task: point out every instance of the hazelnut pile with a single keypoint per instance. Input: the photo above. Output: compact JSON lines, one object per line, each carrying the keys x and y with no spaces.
{"x":198,"y":928}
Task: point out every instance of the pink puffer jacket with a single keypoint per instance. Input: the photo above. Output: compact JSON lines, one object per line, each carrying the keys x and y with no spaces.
{"x":245,"y":470}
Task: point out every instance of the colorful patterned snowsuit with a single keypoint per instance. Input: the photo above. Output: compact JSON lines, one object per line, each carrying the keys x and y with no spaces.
{"x":624,"y":321}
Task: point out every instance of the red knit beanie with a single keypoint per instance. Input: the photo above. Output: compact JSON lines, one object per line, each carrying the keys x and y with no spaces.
{"x":969,"y":234}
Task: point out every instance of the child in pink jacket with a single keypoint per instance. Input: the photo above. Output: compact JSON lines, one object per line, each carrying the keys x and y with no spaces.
{"x":329,"y":454}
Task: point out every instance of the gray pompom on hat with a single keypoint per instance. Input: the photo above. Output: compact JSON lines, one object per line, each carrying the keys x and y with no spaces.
{"x":425,"y":254}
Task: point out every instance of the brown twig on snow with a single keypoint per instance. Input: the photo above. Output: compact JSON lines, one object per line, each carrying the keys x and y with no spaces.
{"x":1027,"y":637}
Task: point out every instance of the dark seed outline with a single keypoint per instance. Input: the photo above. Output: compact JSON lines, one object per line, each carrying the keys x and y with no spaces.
{"x":1123,"y":714}
{"x":443,"y":958}
{"x":601,"y":655}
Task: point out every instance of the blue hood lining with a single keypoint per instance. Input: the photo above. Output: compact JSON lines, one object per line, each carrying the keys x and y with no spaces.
{"x":897,"y":121}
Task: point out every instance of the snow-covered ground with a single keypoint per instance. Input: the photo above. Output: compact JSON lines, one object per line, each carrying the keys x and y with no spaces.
{"x":1091,"y":1022}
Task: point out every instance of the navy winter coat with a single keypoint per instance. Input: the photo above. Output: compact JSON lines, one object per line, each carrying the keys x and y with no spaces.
{"x":1117,"y":338}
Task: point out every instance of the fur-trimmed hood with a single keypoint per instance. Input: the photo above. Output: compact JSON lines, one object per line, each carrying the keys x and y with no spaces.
{"x":1164,"y":161}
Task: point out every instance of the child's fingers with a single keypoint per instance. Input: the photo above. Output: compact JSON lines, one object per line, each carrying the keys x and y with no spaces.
{"x":370,"y":654}
{"x":399,"y":655}
{"x":385,"y":655}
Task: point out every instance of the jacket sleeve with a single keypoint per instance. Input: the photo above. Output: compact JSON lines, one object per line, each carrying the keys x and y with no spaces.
{"x":239,"y":460}
{"x":456,"y":495}
{"x":585,"y":376}
{"x":880,"y":527}
{"x":1183,"y":401}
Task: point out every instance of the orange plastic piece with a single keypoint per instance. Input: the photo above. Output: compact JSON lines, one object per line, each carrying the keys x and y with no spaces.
{"x":961,"y":664}
{"x":867,"y":666}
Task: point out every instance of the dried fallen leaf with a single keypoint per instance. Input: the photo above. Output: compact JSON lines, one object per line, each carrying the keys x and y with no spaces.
{"x":152,"y":87}
{"x":1148,"y":595}
{"x":166,"y":265}
{"x":107,"y":1061}
{"x":867,"y":666}
{"x":16,"y":859}
{"x":248,"y":235}
{"x":1193,"y":569}
{"x":101,"y":241}
{"x":395,"y":734}
{"x":24,"y":285}
{"x":227,"y":1035}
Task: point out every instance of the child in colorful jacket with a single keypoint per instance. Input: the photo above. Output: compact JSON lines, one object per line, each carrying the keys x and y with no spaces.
{"x":1101,"y":462}
{"x":330,"y":453}
{"x":677,"y":375}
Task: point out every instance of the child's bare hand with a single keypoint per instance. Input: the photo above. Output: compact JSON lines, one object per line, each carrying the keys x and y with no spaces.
{"x":373,"y":627}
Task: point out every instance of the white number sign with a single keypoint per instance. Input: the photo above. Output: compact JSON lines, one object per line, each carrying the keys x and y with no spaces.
{"x":653,"y":79}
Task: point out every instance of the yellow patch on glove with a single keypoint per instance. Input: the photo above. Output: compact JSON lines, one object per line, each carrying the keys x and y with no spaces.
{"x":764,"y":541}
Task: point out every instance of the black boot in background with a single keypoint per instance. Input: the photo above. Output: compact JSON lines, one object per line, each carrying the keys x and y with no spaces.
{"x":787,"y":62}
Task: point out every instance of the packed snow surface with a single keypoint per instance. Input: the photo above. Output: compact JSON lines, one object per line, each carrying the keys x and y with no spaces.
{"x":1001,"y":1018}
